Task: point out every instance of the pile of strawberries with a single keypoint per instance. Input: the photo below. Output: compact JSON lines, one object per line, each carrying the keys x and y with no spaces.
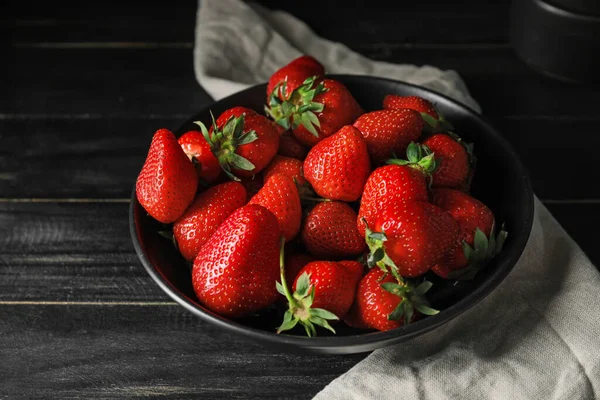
{"x":316,"y":207}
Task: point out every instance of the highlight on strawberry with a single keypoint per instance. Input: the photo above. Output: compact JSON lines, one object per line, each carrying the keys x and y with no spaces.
{"x":317,"y":213}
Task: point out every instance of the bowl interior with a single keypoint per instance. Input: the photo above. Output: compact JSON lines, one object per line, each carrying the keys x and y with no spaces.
{"x":500,"y":181}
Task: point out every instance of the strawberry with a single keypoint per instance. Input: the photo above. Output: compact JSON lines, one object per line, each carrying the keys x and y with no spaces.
{"x":198,"y":151}
{"x":289,"y":146}
{"x":381,"y":302}
{"x":477,"y":242}
{"x":409,"y":237}
{"x":168,"y":181}
{"x":294,"y":263}
{"x":235,"y":271}
{"x":204,"y":216}
{"x":323,"y":290}
{"x":452,"y":161}
{"x":279,"y":195}
{"x":400,"y":181}
{"x":431,"y":116}
{"x":243,"y":141}
{"x":293,"y":74}
{"x":315,"y":110}
{"x":389,"y":132}
{"x":329,"y":231}
{"x":338,"y":166}
{"x":288,"y":166}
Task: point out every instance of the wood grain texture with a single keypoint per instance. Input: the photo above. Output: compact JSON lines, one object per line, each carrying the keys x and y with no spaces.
{"x":371,"y":21}
{"x":91,"y":352}
{"x":82,"y":252}
{"x":142,"y":82}
{"x":70,"y":251}
{"x":101,"y":157}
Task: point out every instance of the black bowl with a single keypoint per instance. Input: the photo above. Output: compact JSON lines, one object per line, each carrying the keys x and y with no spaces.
{"x":501,"y":182}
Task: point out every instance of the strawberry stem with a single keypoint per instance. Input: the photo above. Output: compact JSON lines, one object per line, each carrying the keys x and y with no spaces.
{"x":300,"y":302}
{"x":284,"y":286}
{"x":225,"y":141}
{"x":299,"y":107}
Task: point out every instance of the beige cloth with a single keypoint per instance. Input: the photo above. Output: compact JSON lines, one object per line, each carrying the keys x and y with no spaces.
{"x":537,"y":336}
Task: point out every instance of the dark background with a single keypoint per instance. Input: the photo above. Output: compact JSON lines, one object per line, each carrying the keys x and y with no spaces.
{"x":84,"y":87}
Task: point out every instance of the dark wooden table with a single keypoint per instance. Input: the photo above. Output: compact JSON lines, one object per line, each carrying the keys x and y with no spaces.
{"x":83,"y":89}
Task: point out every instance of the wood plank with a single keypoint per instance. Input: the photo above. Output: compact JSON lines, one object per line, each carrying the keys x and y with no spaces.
{"x":87,"y":157}
{"x":83,"y":252}
{"x":143,"y":81}
{"x":372,"y":22}
{"x":109,"y":82}
{"x":100,"y":157}
{"x":70,"y":251}
{"x":103,"y":352}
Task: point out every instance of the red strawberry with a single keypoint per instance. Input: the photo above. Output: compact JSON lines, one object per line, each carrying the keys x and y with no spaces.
{"x":198,"y":151}
{"x":323,"y":290}
{"x":294,"y":74}
{"x":168,"y":181}
{"x":294,"y":263}
{"x":204,"y":216}
{"x":243,"y":141}
{"x":410,"y":237}
{"x":381,"y":302}
{"x":434,"y":120}
{"x":279,"y":195}
{"x":390,"y":184}
{"x":289,"y":146}
{"x":389,"y":132}
{"x":393,"y":101}
{"x":477,"y":243}
{"x":338,"y":166}
{"x":452,"y":161}
{"x":329,"y":231}
{"x":234,"y":273}
{"x":287,"y":166}
{"x":315,"y":110}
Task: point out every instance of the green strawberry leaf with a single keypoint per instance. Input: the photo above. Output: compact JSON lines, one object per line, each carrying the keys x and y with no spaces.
{"x":241,"y":162}
{"x":279,"y":288}
{"x":429,"y":120}
{"x":306,"y":122}
{"x":321,"y":322}
{"x":312,"y":117}
{"x":289,"y":322}
{"x":423,"y":288}
{"x":247,"y":137}
{"x":408,"y":312}
{"x":480,"y":241}
{"x":322,"y":313}
{"x":412,"y":153}
{"x":302,"y":286}
{"x":398,"y":311}
{"x":378,"y":236}
{"x":423,"y":309}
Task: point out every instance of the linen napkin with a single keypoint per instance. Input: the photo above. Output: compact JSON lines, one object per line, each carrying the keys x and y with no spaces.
{"x":537,"y":336}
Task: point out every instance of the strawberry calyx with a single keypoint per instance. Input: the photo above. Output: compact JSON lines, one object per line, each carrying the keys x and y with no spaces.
{"x":481,"y":253}
{"x":300,"y":302}
{"x":413,"y":298}
{"x":418,"y":156}
{"x":299,"y":107}
{"x":377,"y":255}
{"x":224,"y":142}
